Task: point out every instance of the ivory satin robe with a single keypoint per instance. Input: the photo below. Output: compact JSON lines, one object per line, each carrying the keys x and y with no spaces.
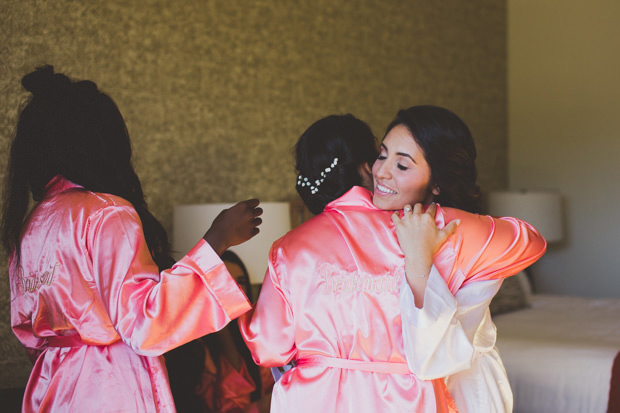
{"x":331,"y":302}
{"x":89,"y":304}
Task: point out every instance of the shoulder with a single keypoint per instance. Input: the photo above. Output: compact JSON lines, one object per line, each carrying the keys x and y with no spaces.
{"x":79,"y":201}
{"x":473,"y":232}
{"x":82,"y":197}
{"x":454,"y":213}
{"x":468,"y":220}
{"x":315,"y":227}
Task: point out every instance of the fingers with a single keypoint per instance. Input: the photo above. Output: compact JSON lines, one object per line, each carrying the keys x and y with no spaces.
{"x":408,"y":211}
{"x":451,"y":227}
{"x":395,"y":218}
{"x":432,"y":209}
{"x":446,"y":231}
{"x":251,"y":203}
{"x":416,"y":210}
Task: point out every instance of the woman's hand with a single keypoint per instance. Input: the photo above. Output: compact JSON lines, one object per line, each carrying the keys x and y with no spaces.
{"x":419,"y":238}
{"x":234,"y":225}
{"x":418,"y":234}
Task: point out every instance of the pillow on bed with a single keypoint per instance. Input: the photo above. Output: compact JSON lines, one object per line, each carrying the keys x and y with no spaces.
{"x":514,"y":294}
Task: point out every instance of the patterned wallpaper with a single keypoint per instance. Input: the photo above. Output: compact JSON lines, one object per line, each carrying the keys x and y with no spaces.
{"x":216,"y":92}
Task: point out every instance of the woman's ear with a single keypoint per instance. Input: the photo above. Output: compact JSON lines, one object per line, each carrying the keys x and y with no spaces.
{"x":436,"y":191}
{"x":366,"y":168}
{"x":365,"y":172}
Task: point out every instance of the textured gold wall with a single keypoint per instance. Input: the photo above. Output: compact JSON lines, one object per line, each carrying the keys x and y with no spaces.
{"x":215,"y":93}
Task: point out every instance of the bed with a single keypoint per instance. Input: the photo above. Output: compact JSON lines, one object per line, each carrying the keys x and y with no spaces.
{"x":560,"y":352}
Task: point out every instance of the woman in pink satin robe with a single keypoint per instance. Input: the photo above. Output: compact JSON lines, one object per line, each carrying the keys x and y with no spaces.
{"x":333,"y":297}
{"x":216,"y":373}
{"x":88,"y":300}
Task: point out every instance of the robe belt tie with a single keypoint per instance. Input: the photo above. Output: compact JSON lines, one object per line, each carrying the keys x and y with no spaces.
{"x":371,"y":366}
{"x":65,"y":341}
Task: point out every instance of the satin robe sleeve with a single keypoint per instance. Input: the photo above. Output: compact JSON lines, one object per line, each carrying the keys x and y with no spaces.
{"x":269,"y":330}
{"x":154,"y":312}
{"x":454,"y":337}
{"x":440,"y":336}
{"x":495,"y":247}
{"x":444,"y":336}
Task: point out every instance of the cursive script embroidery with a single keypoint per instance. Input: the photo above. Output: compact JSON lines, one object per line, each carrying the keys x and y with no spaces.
{"x":336,"y":280}
{"x":34,"y":280}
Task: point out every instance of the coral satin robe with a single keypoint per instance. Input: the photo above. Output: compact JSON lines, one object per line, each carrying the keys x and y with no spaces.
{"x":90,"y":304}
{"x":330,"y":302}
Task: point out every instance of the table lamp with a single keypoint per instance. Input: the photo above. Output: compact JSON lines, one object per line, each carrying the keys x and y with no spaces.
{"x":190,"y":222}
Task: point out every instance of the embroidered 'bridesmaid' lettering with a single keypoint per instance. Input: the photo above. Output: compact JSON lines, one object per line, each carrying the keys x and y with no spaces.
{"x":336,"y":280}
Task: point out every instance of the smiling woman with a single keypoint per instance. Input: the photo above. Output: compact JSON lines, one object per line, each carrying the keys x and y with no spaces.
{"x":401,"y":173}
{"x":337,"y":299}
{"x":428,"y":154}
{"x":427,"y":157}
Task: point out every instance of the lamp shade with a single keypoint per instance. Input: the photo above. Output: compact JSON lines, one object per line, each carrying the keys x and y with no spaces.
{"x":541,"y":209}
{"x":190,"y":222}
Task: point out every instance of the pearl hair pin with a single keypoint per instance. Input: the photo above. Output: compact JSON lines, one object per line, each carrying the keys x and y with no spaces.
{"x":314,"y":185}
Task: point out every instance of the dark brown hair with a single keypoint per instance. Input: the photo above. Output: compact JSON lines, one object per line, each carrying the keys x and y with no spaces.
{"x":72,"y":129}
{"x":449,"y":151}
{"x":337,"y":136}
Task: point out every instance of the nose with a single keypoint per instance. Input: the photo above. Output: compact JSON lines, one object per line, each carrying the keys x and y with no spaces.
{"x":382,"y":170}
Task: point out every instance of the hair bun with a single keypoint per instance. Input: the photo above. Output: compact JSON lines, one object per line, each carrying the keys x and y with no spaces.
{"x":43,"y":81}
{"x":86,"y":86}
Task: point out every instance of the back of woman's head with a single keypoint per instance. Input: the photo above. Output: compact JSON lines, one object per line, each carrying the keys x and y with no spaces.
{"x":450,"y":152}
{"x":329,"y":158}
{"x":70,"y":128}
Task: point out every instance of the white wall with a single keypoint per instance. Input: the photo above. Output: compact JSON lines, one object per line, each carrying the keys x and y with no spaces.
{"x":564,"y":132}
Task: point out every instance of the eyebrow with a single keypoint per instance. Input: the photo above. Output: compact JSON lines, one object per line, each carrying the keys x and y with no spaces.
{"x":400,"y":154}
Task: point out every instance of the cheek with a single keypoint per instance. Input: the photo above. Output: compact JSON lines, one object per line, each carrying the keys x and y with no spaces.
{"x":375,"y":170}
{"x":415,"y":190}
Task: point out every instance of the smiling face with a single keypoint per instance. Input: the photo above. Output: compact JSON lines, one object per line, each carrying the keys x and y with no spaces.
{"x":401,"y":174}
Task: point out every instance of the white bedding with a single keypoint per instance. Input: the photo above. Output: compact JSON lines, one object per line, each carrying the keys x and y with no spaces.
{"x":559,"y":353}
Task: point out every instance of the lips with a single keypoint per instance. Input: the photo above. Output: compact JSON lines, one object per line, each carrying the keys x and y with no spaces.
{"x":384,"y":190}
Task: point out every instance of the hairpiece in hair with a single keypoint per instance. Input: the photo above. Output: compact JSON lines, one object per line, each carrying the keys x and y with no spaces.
{"x":314,"y":186}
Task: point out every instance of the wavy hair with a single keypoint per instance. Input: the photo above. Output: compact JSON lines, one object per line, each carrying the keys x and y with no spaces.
{"x":449,"y":150}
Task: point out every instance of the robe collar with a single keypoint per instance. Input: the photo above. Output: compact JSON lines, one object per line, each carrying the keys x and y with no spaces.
{"x":356,"y":197}
{"x":57,"y":185}
{"x":361,"y":198}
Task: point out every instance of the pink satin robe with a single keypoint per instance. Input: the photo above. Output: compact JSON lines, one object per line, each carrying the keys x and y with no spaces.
{"x":89,"y":302}
{"x":332,"y":289}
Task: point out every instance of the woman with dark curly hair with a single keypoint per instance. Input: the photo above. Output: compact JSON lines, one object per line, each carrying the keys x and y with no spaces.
{"x":95,"y":297}
{"x":381,"y":296}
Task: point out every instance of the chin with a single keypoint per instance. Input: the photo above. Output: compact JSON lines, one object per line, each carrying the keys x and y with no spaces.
{"x":386,"y":204}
